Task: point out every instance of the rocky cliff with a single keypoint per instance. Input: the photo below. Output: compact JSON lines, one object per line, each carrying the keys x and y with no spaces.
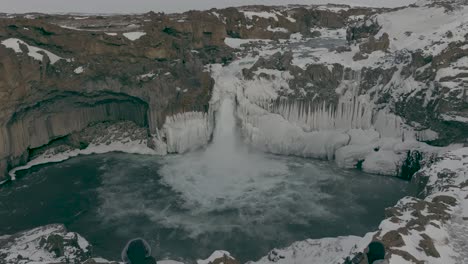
{"x":60,"y":74}
{"x":57,"y":80}
{"x":323,"y":68}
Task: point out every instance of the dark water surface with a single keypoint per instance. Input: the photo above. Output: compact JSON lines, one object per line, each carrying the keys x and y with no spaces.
{"x":114,"y":197}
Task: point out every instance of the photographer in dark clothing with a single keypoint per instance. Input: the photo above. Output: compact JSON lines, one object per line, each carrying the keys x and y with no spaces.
{"x":373,"y":254}
{"x":137,"y":251}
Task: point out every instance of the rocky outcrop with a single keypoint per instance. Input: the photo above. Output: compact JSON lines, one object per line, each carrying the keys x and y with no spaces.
{"x":47,"y":244}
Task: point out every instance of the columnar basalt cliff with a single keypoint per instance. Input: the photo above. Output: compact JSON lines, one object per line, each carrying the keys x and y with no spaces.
{"x":60,"y":73}
{"x":56,"y":81}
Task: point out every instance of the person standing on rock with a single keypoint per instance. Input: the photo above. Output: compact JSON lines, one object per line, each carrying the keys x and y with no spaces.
{"x":137,"y":251}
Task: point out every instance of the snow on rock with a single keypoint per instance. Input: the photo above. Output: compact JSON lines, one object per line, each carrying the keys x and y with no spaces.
{"x":454,"y":69}
{"x":34,"y":52}
{"x":423,"y":27}
{"x":146,"y":76}
{"x":41,"y":246}
{"x":339,"y":33}
{"x":134,"y":35}
{"x":324,"y":250}
{"x":187,"y":131}
{"x":236,"y":43}
{"x":217,"y":255}
{"x":267,"y":84}
{"x":79,"y":70}
{"x":260,"y":14}
{"x":111,"y":33}
{"x":350,"y":156}
{"x":277,"y":29}
{"x":456,"y":118}
{"x":383,"y":162}
{"x":296,"y":36}
{"x":114,"y":140}
{"x":432,"y":230}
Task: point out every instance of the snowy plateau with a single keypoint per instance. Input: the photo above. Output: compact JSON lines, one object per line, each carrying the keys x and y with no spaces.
{"x":380,"y":89}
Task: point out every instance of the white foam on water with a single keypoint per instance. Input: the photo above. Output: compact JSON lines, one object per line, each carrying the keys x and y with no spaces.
{"x":227,"y":175}
{"x":225,"y":172}
{"x":225,"y":187}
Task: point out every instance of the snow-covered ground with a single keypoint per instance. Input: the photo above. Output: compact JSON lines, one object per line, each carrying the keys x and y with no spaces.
{"x":43,"y":245}
{"x":134,"y":35}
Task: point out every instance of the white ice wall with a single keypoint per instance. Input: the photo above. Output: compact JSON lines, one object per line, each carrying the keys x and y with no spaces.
{"x":186,"y":131}
{"x":353,"y":131}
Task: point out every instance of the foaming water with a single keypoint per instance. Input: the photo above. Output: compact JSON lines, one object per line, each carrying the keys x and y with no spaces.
{"x":226,"y":174}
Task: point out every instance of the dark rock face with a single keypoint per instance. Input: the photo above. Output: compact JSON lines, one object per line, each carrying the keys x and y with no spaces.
{"x":140,"y":81}
{"x":375,"y":44}
{"x":362,"y":30}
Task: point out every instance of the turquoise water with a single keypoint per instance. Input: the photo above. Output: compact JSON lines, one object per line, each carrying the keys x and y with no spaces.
{"x":186,"y":211}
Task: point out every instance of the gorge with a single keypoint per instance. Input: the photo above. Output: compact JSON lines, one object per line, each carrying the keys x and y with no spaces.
{"x":257,"y":121}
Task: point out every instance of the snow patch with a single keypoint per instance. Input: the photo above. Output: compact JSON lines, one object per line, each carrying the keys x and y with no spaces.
{"x":134,"y":35}
{"x":252,"y":14}
{"x":79,"y":70}
{"x":216,"y":255}
{"x":277,"y":29}
{"x":147,"y":75}
{"x":124,"y":145}
{"x":34,"y":52}
{"x":236,"y":43}
{"x":427,"y":26}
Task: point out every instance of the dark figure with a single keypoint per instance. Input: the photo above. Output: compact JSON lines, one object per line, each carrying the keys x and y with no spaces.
{"x":376,"y":253}
{"x":373,"y":254}
{"x":137,"y":251}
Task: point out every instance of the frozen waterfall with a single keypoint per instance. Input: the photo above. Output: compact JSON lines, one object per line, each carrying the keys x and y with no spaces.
{"x":226,"y":171}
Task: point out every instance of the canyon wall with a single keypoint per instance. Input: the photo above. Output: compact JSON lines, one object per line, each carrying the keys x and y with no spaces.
{"x":55,"y":81}
{"x":62,"y":73}
{"x":323,"y":70}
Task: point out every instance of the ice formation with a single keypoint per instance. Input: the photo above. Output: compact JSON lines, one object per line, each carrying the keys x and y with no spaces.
{"x":187,"y":131}
{"x":349,"y":132}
